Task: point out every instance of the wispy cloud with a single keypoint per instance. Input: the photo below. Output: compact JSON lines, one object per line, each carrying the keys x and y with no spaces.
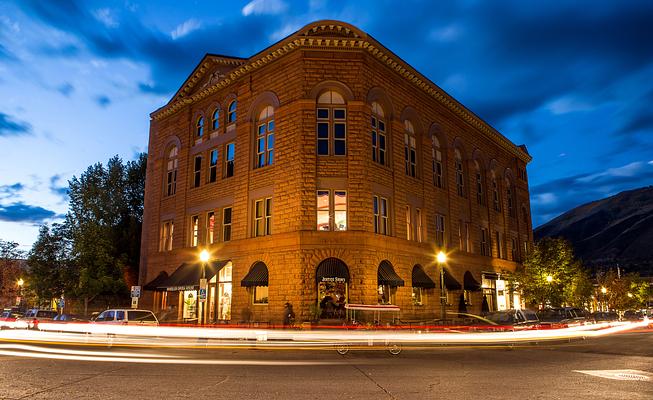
{"x":12,"y":127}
{"x":21,"y":212}
{"x":10,"y":191}
{"x":59,"y":187}
{"x":259,"y":7}
{"x":102,"y":100}
{"x":106,"y":16}
{"x":185,"y":28}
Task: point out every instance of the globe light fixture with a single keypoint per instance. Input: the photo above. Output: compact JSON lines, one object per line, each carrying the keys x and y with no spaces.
{"x":441,"y":257}
{"x":204,"y":256}
{"x":549,"y":278}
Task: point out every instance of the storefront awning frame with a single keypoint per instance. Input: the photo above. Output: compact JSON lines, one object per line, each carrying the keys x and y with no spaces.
{"x":386,"y":275}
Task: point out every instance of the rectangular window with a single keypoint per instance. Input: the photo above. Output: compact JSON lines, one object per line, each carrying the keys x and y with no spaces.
{"x":380,"y":215}
{"x":323,"y":131}
{"x":497,"y":238}
{"x":197,"y":171}
{"x":479,"y":188}
{"x":386,"y":294}
{"x":213,"y":165}
{"x":417,"y":296}
{"x":439,"y":230}
{"x":339,"y":132}
{"x":513,"y":249}
{"x":409,"y":224}
{"x":171,"y":184}
{"x":210,"y":227}
{"x":226,"y":224}
{"x":340,"y":210}
{"x":437,"y":169}
{"x":194,"y":230}
{"x":420,"y":229}
{"x":323,"y":207}
{"x":260,"y":295}
{"x":485,"y":251}
{"x":265,"y":144}
{"x":262,"y":217}
{"x":525,"y":245}
{"x":378,"y":141}
{"x":166,"y":236}
{"x":468,"y":240}
{"x":230,"y":152}
{"x":410,"y":155}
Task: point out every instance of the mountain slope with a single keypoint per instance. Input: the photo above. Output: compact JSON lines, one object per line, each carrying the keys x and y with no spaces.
{"x":614,"y":231}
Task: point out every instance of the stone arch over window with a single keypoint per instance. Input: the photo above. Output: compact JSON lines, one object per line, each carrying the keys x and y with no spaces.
{"x":171,"y":169}
{"x":438,"y":155}
{"x":331,"y":120}
{"x":412,"y":132}
{"x":379,"y":95}
{"x":216,"y":113}
{"x":510,"y":192}
{"x":230,"y":107}
{"x":379,"y":134}
{"x":263,"y":100}
{"x":479,"y":176}
{"x":336,"y":86}
{"x":494,"y":185}
{"x":459,"y":167}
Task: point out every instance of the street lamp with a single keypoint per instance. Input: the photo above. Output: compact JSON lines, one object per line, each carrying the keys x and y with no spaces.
{"x":441,"y":257}
{"x":20,"y":284}
{"x":604,"y":291}
{"x":204,"y":258}
{"x":549,"y":278}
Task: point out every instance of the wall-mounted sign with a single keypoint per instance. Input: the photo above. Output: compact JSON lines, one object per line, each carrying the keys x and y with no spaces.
{"x":332,"y":279}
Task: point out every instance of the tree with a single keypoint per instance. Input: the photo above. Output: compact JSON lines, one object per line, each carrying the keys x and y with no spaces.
{"x":10,"y":271}
{"x":552,"y":276}
{"x":52,"y":271}
{"x":624,"y":292}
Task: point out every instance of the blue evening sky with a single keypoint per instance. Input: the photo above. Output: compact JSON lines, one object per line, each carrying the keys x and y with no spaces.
{"x":571,"y":80}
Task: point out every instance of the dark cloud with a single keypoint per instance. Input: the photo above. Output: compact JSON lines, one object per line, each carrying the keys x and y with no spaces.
{"x":58,"y":188}
{"x":102,"y":100}
{"x":66,"y":89}
{"x":12,"y":127}
{"x":21,"y":212}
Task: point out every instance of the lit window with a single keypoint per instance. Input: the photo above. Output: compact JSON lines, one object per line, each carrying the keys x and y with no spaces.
{"x":210,"y":228}
{"x":379,"y":139}
{"x":460,"y":177}
{"x":331,"y":212}
{"x":215,"y":119}
{"x":380,"y":206}
{"x":436,"y":154}
{"x":230,"y":151}
{"x":410,"y":149}
{"x":439,"y":230}
{"x":339,"y":210}
{"x":231,"y":114}
{"x":167,"y":229}
{"x":331,"y":124}
{"x":199,"y":128}
{"x":260,"y":295}
{"x":417,"y":296}
{"x":226,"y":224}
{"x":197,"y":171}
{"x":409,"y":224}
{"x":171,"y":178}
{"x":213,"y":165}
{"x":262,"y":217}
{"x":194,"y":230}
{"x":265,"y":138}
{"x":386,"y":294}
{"x":418,"y":217}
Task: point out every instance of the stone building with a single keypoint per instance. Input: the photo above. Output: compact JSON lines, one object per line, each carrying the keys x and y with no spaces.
{"x":325,"y":170}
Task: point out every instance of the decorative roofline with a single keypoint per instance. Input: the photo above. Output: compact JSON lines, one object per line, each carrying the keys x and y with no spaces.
{"x":353,"y":41}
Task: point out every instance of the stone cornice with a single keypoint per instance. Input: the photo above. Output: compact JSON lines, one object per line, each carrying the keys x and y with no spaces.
{"x":351,"y":41}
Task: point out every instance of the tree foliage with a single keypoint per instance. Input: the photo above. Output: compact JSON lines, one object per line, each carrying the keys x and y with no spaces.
{"x":623,"y":292}
{"x":9,"y":271}
{"x":52,"y":271}
{"x":570,"y":283}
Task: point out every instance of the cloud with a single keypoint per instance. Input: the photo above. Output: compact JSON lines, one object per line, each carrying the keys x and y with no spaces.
{"x":57,"y":188}
{"x":258,"y":7}
{"x":9,"y":191}
{"x":21,"y":212}
{"x":66,"y":89}
{"x":12,"y":127}
{"x":105,"y":16}
{"x":185,"y":28}
{"x":102,"y":100}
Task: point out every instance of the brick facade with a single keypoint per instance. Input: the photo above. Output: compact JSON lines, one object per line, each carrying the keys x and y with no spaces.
{"x":290,"y":76}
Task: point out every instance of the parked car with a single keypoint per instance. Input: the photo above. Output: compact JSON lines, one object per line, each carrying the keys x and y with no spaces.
{"x":563,"y":316}
{"x":33,"y":317}
{"x":126,"y":317}
{"x":514,"y":319}
{"x":633,"y":315}
{"x":8,"y":317}
{"x":70,"y":318}
{"x":605,"y":316}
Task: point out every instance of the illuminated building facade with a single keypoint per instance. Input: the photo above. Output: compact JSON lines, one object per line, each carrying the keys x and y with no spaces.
{"x":321,"y":171}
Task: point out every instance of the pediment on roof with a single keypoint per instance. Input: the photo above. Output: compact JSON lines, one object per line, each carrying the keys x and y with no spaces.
{"x":211,"y":70}
{"x":331,"y":29}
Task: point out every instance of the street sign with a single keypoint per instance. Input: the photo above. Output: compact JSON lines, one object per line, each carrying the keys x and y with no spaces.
{"x":136,"y":291}
{"x":202,"y":296}
{"x":134,"y":302}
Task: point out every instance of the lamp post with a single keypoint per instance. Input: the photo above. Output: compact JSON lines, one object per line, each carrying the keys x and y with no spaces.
{"x":549,"y":280}
{"x":442,"y":258}
{"x":604,"y":290}
{"x":20,"y":284}
{"x":201,"y":298}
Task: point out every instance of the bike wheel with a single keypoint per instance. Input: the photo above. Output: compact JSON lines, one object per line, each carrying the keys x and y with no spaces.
{"x":394,"y":349}
{"x":342,"y":349}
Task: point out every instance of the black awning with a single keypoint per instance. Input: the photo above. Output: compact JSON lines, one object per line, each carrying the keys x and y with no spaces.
{"x":469,"y":283}
{"x":257,"y":276}
{"x":450,"y":282}
{"x":388,"y":276}
{"x":420,"y":279}
{"x":156,"y":283}
{"x":331,"y":270}
{"x":187,"y":276}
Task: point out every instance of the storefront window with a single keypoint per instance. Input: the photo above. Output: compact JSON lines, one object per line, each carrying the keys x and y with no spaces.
{"x":417,"y":296}
{"x":332,"y":294}
{"x":224,"y":292}
{"x":190,"y":304}
{"x":260,"y":295}
{"x":386,"y":294}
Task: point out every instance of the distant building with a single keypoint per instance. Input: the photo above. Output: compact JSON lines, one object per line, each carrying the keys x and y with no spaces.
{"x":325,"y":170}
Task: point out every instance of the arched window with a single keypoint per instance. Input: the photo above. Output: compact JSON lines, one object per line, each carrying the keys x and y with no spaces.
{"x":199,"y":128}
{"x":231,"y":114}
{"x":460,"y":174}
{"x":495,"y":193}
{"x":436,"y":154}
{"x":331,"y":124}
{"x":215,"y":119}
{"x":265,"y":138}
{"x":509,"y":197}
{"x":171,"y":171}
{"x":410,"y":149}
{"x":379,"y":143}
{"x":480,"y":195}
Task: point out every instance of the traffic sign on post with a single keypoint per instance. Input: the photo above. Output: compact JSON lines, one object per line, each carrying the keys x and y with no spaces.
{"x":136,"y":291}
{"x":203,"y":285}
{"x":134,"y":302}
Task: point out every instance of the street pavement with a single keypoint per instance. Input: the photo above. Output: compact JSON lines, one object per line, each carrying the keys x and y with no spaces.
{"x":547,"y":371}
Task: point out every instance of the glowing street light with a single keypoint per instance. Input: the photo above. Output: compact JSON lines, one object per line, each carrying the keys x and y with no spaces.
{"x":20,"y":282}
{"x":604,"y":290}
{"x":630,"y":295}
{"x":441,"y":257}
{"x":204,"y":256}
{"x":549,"y":278}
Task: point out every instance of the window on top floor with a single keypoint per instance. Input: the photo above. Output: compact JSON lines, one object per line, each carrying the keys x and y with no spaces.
{"x":199,"y":128}
{"x":410,"y":149}
{"x":215,"y":119}
{"x":265,"y":138}
{"x":379,"y":137}
{"x":496,"y":203}
{"x":480,"y":193}
{"x":331,"y":116}
{"x":436,"y":155}
{"x":509,"y":198}
{"x":231,"y":112}
{"x":171,"y":171}
{"x":460,"y":174}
